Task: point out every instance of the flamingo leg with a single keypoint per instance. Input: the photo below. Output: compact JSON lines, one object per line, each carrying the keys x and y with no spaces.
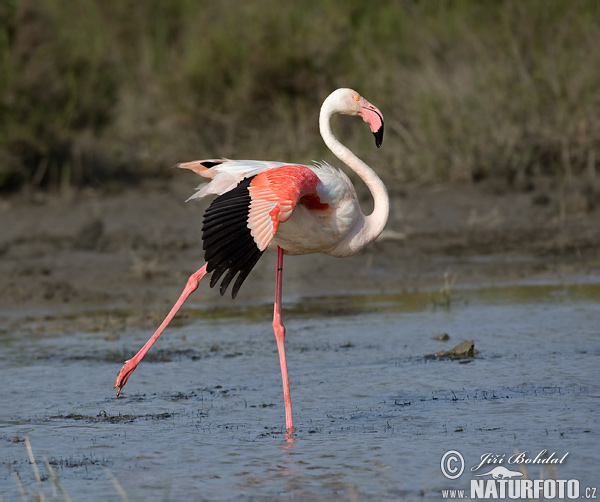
{"x":131,"y":364}
{"x":279,"y":330}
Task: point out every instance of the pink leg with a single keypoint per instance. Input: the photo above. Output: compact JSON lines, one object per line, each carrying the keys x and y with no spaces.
{"x":279,"y":330}
{"x":132,"y":363}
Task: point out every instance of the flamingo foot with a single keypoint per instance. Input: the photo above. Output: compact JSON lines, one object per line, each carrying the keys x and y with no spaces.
{"x":131,"y":364}
{"x":289,"y":437}
{"x":124,"y":375}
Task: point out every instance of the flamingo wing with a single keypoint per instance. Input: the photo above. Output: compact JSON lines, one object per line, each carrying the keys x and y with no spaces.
{"x":241,"y":222}
{"x":225,"y":174}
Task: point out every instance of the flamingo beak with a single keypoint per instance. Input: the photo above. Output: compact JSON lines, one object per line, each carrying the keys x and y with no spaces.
{"x":372,"y":116}
{"x":379,"y":135}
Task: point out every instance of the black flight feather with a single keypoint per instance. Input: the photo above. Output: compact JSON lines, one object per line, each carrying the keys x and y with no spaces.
{"x":226,"y":239}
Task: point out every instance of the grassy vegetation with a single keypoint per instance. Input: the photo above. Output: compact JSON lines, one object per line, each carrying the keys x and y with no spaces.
{"x":92,"y":91}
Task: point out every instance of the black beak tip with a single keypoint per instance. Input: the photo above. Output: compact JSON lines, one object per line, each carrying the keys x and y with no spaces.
{"x":379,"y":136}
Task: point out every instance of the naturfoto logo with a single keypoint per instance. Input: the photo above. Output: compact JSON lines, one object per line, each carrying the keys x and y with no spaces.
{"x":504,"y":483}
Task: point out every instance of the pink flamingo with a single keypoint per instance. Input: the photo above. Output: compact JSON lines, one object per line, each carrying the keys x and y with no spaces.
{"x":294,"y":208}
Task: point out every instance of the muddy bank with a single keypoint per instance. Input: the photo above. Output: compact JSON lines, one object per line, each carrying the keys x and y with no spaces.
{"x":135,"y":248}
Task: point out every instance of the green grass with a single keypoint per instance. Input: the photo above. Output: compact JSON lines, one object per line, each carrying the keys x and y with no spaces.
{"x":93,"y":91}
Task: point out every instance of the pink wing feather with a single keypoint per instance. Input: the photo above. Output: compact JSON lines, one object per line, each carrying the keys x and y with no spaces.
{"x":274,"y":194}
{"x":254,"y":197}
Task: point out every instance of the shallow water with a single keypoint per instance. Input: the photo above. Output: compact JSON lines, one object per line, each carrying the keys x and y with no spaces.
{"x":202,"y":416}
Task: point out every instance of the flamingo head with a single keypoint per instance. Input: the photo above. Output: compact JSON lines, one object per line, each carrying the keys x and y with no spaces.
{"x":350,"y":102}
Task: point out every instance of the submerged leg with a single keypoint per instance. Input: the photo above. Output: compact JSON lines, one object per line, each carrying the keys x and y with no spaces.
{"x":279,"y":330}
{"x":132,"y":363}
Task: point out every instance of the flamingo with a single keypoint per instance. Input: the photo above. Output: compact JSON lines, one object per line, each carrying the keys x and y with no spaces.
{"x":292,"y":208}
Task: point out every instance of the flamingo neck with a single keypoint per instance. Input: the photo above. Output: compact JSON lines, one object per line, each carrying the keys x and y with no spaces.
{"x":368,"y":227}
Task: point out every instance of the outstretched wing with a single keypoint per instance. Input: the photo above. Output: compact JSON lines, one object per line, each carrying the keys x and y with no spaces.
{"x":240,"y":223}
{"x":225,"y":174}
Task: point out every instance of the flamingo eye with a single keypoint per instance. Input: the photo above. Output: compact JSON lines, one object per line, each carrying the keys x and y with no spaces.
{"x":356,"y":98}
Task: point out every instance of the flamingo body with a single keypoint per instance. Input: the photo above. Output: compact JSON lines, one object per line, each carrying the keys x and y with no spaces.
{"x":295,"y":209}
{"x":301,"y":209}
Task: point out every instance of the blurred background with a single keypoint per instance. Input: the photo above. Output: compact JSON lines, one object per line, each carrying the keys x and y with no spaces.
{"x":94,"y":93}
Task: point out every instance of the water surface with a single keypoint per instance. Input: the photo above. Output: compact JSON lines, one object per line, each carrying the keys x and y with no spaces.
{"x":202,"y":416}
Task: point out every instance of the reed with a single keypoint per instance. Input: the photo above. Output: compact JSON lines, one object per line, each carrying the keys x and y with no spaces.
{"x":93,"y":92}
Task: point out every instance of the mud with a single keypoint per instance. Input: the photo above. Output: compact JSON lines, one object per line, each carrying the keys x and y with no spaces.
{"x":135,"y":248}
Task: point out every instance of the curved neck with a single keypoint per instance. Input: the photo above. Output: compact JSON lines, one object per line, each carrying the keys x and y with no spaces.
{"x":369,"y":227}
